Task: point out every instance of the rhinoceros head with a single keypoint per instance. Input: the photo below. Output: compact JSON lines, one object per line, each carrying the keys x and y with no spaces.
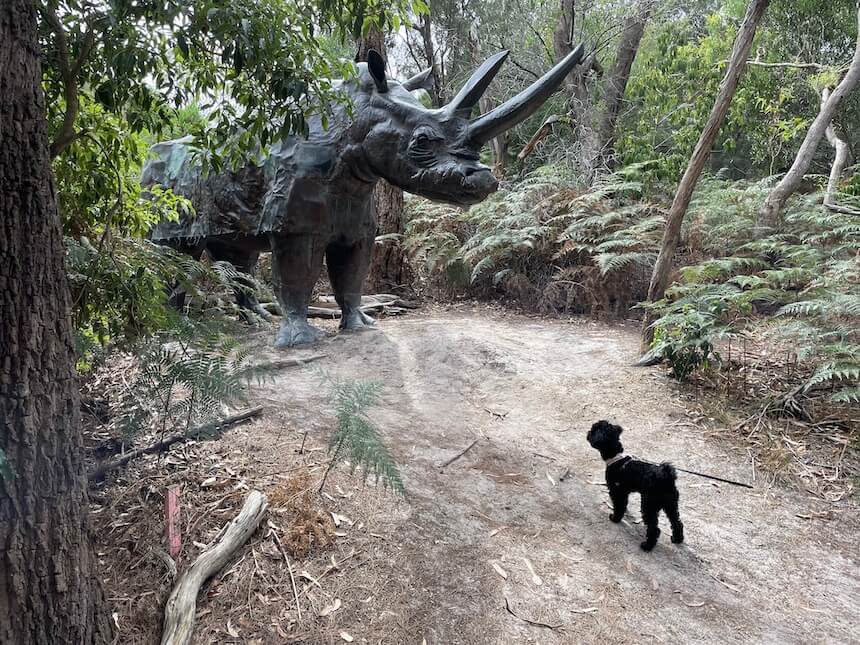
{"x":435,"y":152}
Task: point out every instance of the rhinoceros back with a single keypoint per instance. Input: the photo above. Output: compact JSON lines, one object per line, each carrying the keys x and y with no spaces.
{"x":226,"y":203}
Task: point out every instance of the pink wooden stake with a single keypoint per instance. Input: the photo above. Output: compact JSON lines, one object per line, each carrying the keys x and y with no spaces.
{"x":171,"y":509}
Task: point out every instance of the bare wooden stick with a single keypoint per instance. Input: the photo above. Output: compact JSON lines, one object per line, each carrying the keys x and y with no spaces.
{"x":458,"y":455}
{"x":536,"y":623}
{"x":209,"y":428}
{"x":293,"y":362}
{"x":181,"y":606}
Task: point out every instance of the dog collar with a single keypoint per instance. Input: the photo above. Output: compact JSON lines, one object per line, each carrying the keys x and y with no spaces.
{"x":615,"y":459}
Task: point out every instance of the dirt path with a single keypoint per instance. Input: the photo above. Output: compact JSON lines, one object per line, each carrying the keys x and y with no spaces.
{"x":527,"y":390}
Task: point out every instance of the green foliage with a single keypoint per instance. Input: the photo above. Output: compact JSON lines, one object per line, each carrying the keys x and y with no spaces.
{"x":681,"y":63}
{"x":119,"y":291}
{"x":546,"y":241}
{"x":807,"y":274}
{"x":184,"y":377}
{"x":262,"y":65}
{"x":356,"y":439}
{"x":685,"y":339}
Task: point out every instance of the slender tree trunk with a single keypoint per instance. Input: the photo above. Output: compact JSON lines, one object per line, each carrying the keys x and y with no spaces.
{"x":424,"y":27}
{"x":615,"y":84}
{"x":663,"y":266}
{"x":840,"y":160}
{"x":578,"y":85}
{"x":389,"y":266}
{"x":49,"y":590}
{"x":499,"y":144}
{"x":770,"y":212}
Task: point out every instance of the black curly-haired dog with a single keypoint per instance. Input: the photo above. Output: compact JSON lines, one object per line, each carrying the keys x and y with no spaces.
{"x":625,"y":475}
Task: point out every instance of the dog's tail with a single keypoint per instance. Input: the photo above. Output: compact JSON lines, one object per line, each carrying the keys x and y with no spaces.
{"x":666,"y":472}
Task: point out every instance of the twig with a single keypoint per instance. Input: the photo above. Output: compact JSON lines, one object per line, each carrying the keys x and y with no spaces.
{"x":458,"y":455}
{"x":292,"y":579}
{"x":160,"y":446}
{"x":302,"y":447}
{"x":527,"y":620}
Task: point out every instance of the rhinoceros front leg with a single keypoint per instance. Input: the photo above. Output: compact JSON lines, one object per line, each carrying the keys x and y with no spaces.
{"x":296,"y":265}
{"x":347,"y":268}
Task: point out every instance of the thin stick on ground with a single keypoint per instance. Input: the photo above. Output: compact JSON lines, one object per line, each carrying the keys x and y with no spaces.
{"x":536,"y":623}
{"x":180,"y":609}
{"x":458,"y":455}
{"x":292,"y":578}
{"x":160,"y":446}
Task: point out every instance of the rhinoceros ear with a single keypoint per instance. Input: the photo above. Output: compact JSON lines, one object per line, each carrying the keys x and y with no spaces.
{"x":376,"y":67}
{"x":421,"y":81}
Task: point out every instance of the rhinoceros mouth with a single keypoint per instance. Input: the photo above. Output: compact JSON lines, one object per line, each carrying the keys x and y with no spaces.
{"x":460,"y":189}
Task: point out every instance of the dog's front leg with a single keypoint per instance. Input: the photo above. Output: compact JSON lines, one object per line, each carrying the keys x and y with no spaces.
{"x":619,"y":503}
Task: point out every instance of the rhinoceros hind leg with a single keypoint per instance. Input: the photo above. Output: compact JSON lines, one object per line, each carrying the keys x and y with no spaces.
{"x":245,"y":261}
{"x":296,"y":265}
{"x":347,"y":268}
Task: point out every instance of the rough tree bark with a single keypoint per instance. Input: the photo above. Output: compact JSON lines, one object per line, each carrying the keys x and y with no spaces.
{"x":577,"y":82}
{"x":389,"y":266}
{"x":728,"y":86}
{"x":840,"y":160}
{"x":770,"y":212}
{"x":615,"y":84}
{"x":49,"y":590}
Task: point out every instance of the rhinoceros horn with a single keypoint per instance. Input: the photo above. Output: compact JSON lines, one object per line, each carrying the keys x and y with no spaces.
{"x":520,"y":107}
{"x":468,"y":97}
{"x":421,"y":81}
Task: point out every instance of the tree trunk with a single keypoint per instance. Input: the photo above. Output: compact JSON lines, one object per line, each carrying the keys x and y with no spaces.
{"x":577,"y":83}
{"x":840,"y":160}
{"x":499,"y":144}
{"x":663,"y":266}
{"x":770,"y":212}
{"x":389,"y":266}
{"x":49,"y":589}
{"x":615,"y":84}
{"x":424,"y":28}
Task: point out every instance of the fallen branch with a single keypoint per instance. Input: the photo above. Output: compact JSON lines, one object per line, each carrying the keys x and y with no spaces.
{"x":182,"y":604}
{"x":293,"y":362}
{"x":458,"y":455}
{"x":527,"y":620}
{"x":206,"y":430}
{"x":540,"y":134}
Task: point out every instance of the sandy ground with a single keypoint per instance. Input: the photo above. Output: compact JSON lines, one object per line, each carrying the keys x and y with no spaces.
{"x":753,"y":569}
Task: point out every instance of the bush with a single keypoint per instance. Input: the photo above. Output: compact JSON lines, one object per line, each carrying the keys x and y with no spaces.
{"x":546,"y":243}
{"x":807,"y":275}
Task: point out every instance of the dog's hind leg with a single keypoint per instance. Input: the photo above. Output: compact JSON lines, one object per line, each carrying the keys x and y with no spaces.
{"x":671,"y":508}
{"x":619,"y":505}
{"x":650,"y":511}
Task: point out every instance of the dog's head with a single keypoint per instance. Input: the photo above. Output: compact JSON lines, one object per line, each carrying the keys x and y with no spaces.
{"x":604,"y":435}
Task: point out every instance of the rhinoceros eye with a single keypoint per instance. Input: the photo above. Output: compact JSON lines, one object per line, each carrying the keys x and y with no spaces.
{"x":423,"y":138}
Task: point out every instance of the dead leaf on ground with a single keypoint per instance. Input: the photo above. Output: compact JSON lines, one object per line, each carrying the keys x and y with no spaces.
{"x":500,"y":571}
{"x":700,"y":603}
{"x":535,"y":577}
{"x":232,"y":630}
{"x":330,"y":609}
